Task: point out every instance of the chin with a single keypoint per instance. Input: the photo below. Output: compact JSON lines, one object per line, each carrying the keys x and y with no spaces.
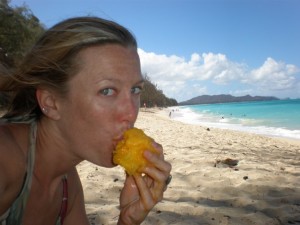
{"x":106,"y":164}
{"x":109,"y":165}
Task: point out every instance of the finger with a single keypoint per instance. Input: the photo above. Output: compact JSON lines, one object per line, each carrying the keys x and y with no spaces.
{"x":146,"y":196}
{"x":126,"y":195}
{"x":158,"y":162}
{"x":159,"y":170}
{"x":159,"y":149}
{"x":159,"y":182}
{"x":148,"y":180}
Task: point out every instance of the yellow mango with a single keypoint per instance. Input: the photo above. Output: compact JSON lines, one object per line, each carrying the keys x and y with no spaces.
{"x":129,"y":151}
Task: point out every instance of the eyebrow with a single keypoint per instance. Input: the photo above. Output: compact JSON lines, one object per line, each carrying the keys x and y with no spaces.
{"x":117,"y":80}
{"x":141,"y":81}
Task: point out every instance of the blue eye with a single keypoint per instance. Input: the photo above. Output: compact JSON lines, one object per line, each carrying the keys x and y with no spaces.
{"x":136,"y":90}
{"x":107,"y":92}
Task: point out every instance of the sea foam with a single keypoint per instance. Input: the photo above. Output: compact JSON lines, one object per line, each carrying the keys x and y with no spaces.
{"x":187,"y":115}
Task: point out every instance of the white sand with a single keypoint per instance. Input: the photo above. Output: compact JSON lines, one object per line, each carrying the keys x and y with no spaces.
{"x":262,"y":189}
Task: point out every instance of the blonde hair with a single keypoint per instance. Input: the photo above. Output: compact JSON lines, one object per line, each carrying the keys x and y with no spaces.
{"x":51,"y":62}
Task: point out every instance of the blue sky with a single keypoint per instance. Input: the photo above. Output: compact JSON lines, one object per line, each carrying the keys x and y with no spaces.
{"x":194,"y":47}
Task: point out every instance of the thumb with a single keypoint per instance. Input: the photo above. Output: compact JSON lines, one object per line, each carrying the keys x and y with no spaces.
{"x":130,"y":192}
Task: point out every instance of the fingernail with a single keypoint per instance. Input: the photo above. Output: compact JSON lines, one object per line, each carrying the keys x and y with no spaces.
{"x":147,"y":154}
{"x":155,"y":145}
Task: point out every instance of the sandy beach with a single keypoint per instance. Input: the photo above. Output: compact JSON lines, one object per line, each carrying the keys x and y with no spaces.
{"x":220,"y":177}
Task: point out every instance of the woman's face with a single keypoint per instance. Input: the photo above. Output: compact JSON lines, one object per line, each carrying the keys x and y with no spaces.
{"x":102,"y":102}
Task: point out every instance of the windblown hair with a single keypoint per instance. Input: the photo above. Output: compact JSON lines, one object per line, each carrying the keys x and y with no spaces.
{"x":51,"y":62}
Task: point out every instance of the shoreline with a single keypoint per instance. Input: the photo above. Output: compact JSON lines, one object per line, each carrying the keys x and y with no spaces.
{"x":165,"y":111}
{"x":219,"y":177}
{"x":266,"y":125}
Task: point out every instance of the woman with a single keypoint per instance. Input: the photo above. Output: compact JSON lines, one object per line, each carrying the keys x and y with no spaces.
{"x":74,"y":95}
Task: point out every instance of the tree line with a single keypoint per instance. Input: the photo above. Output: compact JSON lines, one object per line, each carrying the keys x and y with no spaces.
{"x":20,"y":28}
{"x":152,"y":96}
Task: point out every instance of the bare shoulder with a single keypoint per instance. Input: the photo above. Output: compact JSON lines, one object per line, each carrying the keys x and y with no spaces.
{"x":12,"y":167}
{"x":13,"y":150}
{"x":76,"y":208}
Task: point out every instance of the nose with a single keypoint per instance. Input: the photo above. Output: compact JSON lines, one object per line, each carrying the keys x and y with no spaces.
{"x":128,"y":112}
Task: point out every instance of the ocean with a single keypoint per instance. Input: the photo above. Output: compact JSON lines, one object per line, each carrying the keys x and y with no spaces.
{"x":279,"y":118}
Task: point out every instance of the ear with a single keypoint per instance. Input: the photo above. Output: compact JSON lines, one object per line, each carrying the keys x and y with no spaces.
{"x":48,"y":103}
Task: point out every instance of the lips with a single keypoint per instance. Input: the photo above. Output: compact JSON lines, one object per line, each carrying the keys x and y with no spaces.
{"x":117,"y":139}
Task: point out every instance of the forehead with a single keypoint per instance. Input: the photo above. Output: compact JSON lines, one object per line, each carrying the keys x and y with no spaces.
{"x":103,"y":63}
{"x":108,"y":61}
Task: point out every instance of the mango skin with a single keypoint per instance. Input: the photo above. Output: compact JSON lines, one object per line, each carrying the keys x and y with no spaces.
{"x":129,"y":151}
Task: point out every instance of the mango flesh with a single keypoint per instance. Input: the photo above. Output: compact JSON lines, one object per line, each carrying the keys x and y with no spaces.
{"x":129,"y":151}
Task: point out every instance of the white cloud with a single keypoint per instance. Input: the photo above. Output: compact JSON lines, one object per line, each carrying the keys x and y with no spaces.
{"x":182,"y":79}
{"x":220,"y":69}
{"x":195,"y":59}
{"x":274,"y":75}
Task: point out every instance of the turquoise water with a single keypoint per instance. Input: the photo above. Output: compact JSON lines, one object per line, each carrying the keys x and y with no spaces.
{"x":275,"y":118}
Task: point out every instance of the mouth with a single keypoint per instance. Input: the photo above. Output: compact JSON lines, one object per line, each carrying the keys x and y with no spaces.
{"x":120,"y":136}
{"x":117,"y":139}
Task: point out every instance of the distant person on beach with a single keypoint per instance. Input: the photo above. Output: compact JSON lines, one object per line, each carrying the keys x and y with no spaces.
{"x":70,"y":100}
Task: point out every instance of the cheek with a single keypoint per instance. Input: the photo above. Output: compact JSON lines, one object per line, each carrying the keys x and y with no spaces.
{"x":88,"y":109}
{"x":137,"y":110}
{"x":138,"y":102}
{"x":138,"y":105}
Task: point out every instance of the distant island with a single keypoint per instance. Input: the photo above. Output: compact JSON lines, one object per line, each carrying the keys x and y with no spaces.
{"x":211,"y":99}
